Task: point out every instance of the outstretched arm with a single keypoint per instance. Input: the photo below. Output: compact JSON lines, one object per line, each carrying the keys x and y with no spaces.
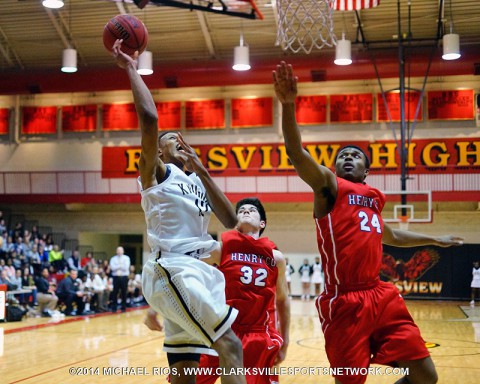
{"x":401,"y":238}
{"x":218,"y":201}
{"x":319,"y":178}
{"x":283,"y":305}
{"x":150,"y":165}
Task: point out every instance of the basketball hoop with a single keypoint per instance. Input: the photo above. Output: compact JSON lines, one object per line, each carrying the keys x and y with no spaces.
{"x":403,"y":223}
{"x":305,"y":24}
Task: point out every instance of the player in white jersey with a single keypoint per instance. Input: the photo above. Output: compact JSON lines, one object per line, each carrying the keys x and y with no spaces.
{"x":187,"y":292}
{"x":475,"y":285}
{"x":318,"y":279}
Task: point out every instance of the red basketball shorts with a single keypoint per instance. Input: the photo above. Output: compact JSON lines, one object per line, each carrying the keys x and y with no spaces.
{"x":368,"y":326}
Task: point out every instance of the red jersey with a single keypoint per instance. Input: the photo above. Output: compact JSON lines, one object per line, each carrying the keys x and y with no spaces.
{"x":350,"y":236}
{"x":251,"y":274}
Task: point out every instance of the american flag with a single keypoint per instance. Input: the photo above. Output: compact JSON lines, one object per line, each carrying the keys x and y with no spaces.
{"x":352,"y":5}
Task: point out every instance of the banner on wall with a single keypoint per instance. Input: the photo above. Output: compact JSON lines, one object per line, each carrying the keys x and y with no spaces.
{"x":39,"y":120}
{"x":79,"y":118}
{"x":451,"y":105}
{"x":205,"y":114}
{"x":423,"y":157}
{"x":4,"y":120}
{"x":257,"y":112}
{"x":430,"y":272}
{"x":169,"y":115}
{"x":311,"y":110}
{"x":119,"y":117}
{"x":351,"y":108}
{"x":393,"y":102}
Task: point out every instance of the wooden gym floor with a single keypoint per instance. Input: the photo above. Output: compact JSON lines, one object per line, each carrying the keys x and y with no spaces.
{"x":40,"y":350}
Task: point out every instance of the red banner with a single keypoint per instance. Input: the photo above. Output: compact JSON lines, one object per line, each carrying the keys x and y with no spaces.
{"x":79,"y":118}
{"x":205,"y":114}
{"x":351,"y":108}
{"x":4,"y":120}
{"x":427,"y":156}
{"x":393,"y":101}
{"x":119,"y":117}
{"x":39,"y":120}
{"x":252,"y":112}
{"x":311,"y":110}
{"x":451,"y":105}
{"x":169,"y":115}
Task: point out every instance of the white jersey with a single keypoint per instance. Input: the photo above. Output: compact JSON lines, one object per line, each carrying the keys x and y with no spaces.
{"x":317,"y":276}
{"x":476,"y":278}
{"x":177,"y":215}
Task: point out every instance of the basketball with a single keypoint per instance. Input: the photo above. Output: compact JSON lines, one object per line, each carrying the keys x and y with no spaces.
{"x":128,"y":28}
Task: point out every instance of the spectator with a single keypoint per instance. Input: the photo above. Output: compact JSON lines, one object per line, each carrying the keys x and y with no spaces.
{"x":120,"y":266}
{"x":99,"y":286}
{"x":3,"y":226}
{"x":5,"y":279}
{"x":106,"y":267}
{"x":74,"y":261}
{"x":35,"y":233}
{"x":9,"y":268}
{"x":43,"y":255}
{"x":34,"y":259}
{"x":55,"y":258}
{"x":47,"y":299}
{"x":289,"y":270}
{"x":85,"y":287}
{"x":69,"y":292}
{"x":88,"y":259}
{"x":29,"y":282}
{"x":305,"y":271}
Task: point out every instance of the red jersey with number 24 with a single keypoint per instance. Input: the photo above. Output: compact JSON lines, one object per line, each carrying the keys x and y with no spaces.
{"x":350,"y":236}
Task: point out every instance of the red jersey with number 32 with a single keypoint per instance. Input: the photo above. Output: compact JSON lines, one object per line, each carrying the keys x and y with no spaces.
{"x":251,"y":275}
{"x":350,"y":236}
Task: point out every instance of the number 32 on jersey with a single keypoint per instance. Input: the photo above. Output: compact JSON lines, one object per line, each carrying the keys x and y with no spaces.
{"x":255,"y":276}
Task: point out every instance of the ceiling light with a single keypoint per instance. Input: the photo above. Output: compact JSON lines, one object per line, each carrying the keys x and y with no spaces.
{"x":145,"y":61}
{"x":54,"y":4}
{"x":69,"y":60}
{"x":451,"y":46}
{"x":241,"y":57}
{"x":343,"y":52}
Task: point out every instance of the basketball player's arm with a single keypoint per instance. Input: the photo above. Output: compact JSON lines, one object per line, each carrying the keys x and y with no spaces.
{"x":322,"y":181}
{"x":282,"y":305}
{"x":150,"y":165}
{"x":216,"y":198}
{"x":215,"y":256}
{"x":400,"y":238}
{"x":151,"y":321}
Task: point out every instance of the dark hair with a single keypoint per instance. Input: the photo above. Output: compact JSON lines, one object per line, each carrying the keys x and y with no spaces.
{"x":163,"y":133}
{"x":367,"y":160}
{"x":256,"y":203}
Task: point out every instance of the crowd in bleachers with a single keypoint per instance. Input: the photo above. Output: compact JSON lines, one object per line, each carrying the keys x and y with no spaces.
{"x":51,"y":280}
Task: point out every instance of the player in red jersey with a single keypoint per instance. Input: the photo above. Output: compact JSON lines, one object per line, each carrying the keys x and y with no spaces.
{"x":364,"y":320}
{"x":256,"y":286}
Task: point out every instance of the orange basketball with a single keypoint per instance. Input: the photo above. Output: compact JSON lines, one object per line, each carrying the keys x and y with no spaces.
{"x":130,"y":29}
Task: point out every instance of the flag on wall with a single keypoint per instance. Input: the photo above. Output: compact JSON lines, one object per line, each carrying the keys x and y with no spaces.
{"x":354,"y":5}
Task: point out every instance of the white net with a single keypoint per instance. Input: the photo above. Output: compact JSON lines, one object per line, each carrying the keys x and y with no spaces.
{"x":305,"y":24}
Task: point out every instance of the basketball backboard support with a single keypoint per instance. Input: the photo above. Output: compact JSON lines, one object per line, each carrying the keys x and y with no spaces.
{"x":239,"y":8}
{"x":408,"y":207}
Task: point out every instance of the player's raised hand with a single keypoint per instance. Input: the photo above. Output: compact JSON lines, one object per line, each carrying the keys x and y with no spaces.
{"x":191,"y":161}
{"x":122,"y":59}
{"x":285,"y":83}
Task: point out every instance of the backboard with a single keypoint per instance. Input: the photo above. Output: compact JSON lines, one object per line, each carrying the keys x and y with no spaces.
{"x":405,"y":207}
{"x":239,"y":8}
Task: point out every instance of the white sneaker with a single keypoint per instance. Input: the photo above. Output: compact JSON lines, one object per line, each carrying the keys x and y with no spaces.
{"x":472,"y":303}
